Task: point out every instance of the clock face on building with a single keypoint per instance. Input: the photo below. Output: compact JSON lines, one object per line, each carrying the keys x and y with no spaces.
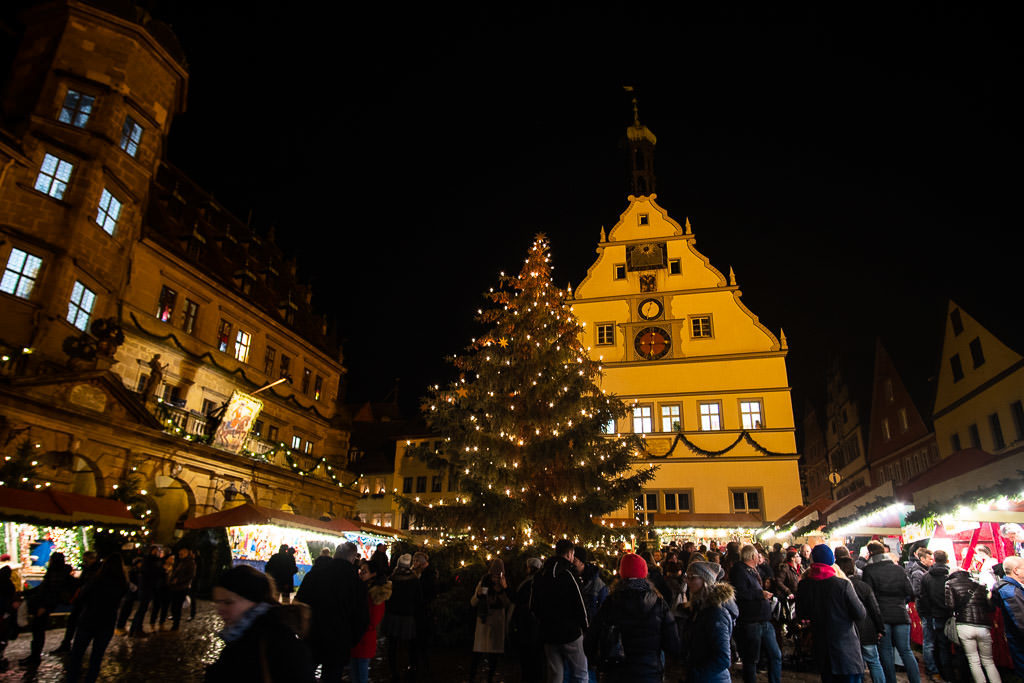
{"x":649,"y":309}
{"x":652,"y":343}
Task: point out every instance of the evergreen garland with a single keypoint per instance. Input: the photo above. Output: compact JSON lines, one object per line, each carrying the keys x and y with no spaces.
{"x":1012,"y":488}
{"x":861,"y":511}
{"x":744,"y":436}
{"x":208,"y":357}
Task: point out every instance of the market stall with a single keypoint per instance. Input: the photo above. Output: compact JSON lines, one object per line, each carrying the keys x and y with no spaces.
{"x":960,"y":512}
{"x":35,"y":524}
{"x":255,"y":533}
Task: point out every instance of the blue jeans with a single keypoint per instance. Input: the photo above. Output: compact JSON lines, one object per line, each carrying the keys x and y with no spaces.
{"x":928,"y":645}
{"x":360,"y":670}
{"x":753,"y":639}
{"x":897,"y":636}
{"x":870,"y":654}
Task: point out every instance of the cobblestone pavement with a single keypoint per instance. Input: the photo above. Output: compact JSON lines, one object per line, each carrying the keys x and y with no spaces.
{"x":182,"y":656}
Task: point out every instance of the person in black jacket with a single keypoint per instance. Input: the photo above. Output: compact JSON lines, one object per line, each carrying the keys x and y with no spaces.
{"x":339,"y":610}
{"x":645,"y":622}
{"x":281,"y":568}
{"x":99,"y":599}
{"x":831,"y":604}
{"x":56,"y":589}
{"x":8,"y":612}
{"x":970,"y":604}
{"x":871,"y":628}
{"x":259,"y":645}
{"x":151,"y":581}
{"x":754,"y":632}
{"x":932,"y":600}
{"x":892,"y":590}
{"x":558,"y":603}
{"x":424,"y":612}
{"x":525,"y":629}
{"x":90,"y":566}
{"x":399,"y":625}
{"x":706,"y":623}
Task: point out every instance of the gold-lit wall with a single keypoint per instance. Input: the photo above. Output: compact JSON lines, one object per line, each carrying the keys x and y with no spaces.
{"x":673,"y":335}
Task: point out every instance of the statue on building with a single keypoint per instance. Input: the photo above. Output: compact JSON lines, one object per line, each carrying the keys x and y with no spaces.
{"x":156,"y":378}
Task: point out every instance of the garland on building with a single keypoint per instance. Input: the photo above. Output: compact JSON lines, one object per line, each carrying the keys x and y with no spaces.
{"x":865,"y":510}
{"x":744,"y":436}
{"x":281,"y":449}
{"x":208,"y":357}
{"x":804,"y":530}
{"x":1005,"y":489}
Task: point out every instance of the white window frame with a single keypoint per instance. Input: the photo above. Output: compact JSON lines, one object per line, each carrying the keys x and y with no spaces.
{"x":615,"y":271}
{"x":243,"y":343}
{"x":296,"y":442}
{"x":79,"y":110}
{"x":643,"y":419}
{"x":675,"y":494}
{"x":698,"y":319}
{"x":671,"y":412}
{"x":605,"y":334}
{"x":746,"y":491}
{"x":609,"y":427}
{"x":54,"y":176}
{"x":131,"y":137}
{"x":747,"y":420}
{"x":107,"y":212}
{"x":710,"y":420}
{"x":80,"y":305}
{"x":20,"y":273}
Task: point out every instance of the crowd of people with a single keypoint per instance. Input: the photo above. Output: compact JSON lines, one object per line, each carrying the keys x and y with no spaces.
{"x":699,"y":611}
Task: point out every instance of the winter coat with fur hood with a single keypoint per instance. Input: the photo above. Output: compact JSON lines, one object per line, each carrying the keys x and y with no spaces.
{"x":366,"y":648}
{"x":706,"y":627}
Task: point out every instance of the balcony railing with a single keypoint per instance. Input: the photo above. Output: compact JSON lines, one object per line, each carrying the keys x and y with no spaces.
{"x":195,"y":426}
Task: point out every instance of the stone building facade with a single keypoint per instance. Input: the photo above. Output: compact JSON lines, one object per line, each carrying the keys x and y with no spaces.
{"x":134,"y":305}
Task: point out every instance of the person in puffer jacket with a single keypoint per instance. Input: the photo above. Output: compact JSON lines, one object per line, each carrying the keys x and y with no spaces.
{"x":706,"y":624}
{"x":968,"y":600}
{"x":645,"y":621}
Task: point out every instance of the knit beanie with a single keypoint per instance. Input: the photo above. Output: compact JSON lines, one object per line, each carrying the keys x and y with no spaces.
{"x":632,"y":566}
{"x":708,"y":571}
{"x":822,"y":554}
{"x":247,"y":582}
{"x":405,"y":560}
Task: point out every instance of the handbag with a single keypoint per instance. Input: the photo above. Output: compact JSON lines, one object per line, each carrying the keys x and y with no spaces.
{"x":23,"y":617}
{"x":610,"y":651}
{"x":950,"y":630}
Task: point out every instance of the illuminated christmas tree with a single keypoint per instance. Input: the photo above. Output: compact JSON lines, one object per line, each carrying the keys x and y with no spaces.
{"x":524,"y":426}
{"x":18,"y":471}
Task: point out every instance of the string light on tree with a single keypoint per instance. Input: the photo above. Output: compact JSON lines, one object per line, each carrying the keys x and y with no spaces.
{"x":539,"y":465}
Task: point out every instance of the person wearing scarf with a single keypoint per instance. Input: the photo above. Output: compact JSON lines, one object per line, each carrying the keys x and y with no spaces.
{"x":827,"y":598}
{"x":259,"y":645}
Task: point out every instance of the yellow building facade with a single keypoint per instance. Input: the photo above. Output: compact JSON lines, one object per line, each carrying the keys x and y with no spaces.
{"x":979,"y":400}
{"x":706,"y":381}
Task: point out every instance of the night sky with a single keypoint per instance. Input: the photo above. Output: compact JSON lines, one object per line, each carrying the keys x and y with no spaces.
{"x":855,"y":170}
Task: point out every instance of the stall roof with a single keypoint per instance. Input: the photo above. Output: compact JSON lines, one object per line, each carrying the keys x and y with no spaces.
{"x":61,"y":508}
{"x":249,"y":513}
{"x":956,"y":465}
{"x":803,"y":511}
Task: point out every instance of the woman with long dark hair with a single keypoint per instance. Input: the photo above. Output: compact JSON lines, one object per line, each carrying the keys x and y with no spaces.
{"x":100,"y":598}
